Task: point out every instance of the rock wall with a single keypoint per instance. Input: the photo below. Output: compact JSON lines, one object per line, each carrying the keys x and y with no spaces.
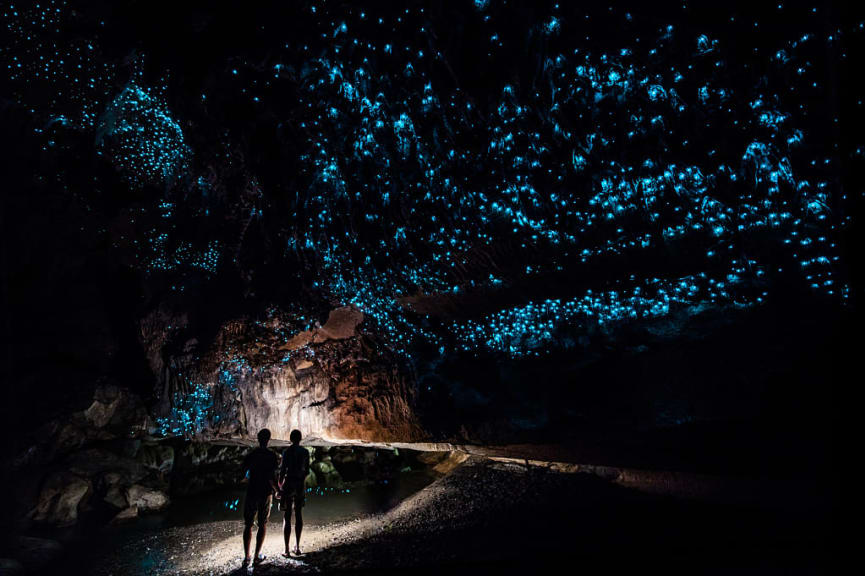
{"x":99,"y":463}
{"x":334,"y":382}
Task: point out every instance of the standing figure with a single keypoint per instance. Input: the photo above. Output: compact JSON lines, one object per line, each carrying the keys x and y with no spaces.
{"x":292,"y":478}
{"x":260,"y":465}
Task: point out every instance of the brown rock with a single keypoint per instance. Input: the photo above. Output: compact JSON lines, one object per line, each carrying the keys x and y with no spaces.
{"x":126,"y":514}
{"x":341,"y":323}
{"x":346,"y":385}
{"x":144,"y":498}
{"x":115,"y":493}
{"x":60,"y":500}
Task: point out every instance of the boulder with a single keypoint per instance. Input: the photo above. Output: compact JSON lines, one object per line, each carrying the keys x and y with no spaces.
{"x":145,"y":499}
{"x":325,"y":472}
{"x":341,"y":323}
{"x":125,"y":515}
{"x":311,"y":481}
{"x":60,"y":500}
{"x":115,"y":492}
{"x":117,"y":409}
{"x":159,"y":457}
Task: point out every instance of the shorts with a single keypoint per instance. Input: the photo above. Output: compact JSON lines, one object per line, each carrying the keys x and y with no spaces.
{"x":294,"y":493}
{"x":256,"y":504}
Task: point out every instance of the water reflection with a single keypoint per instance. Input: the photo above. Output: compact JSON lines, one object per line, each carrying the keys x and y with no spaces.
{"x":323,"y":504}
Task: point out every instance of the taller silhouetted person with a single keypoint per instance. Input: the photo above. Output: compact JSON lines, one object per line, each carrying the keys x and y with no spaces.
{"x":260,"y":464}
{"x":292,"y":477}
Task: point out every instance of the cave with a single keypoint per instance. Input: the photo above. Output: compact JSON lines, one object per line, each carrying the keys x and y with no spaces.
{"x":541,"y":284}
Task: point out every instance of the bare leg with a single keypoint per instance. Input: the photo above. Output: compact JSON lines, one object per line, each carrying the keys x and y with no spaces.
{"x":259,"y":537}
{"x":298,"y":523}
{"x":247,"y":538}
{"x":286,"y":527}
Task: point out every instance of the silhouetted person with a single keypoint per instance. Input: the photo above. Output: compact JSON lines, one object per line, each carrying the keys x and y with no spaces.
{"x":292,"y":476}
{"x":261,"y":465}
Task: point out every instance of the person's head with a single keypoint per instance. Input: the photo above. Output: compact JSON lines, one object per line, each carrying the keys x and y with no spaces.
{"x":263,"y":437}
{"x":295,"y":436}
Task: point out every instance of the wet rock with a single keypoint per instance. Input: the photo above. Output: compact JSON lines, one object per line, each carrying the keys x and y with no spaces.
{"x":145,"y":499}
{"x":61,"y":498}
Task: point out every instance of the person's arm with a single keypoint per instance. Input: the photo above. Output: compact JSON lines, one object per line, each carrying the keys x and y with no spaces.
{"x":282,"y":466}
{"x":244,"y":468}
{"x":274,"y":484}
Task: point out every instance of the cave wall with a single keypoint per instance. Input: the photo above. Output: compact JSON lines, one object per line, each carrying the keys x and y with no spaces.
{"x":333,"y":381}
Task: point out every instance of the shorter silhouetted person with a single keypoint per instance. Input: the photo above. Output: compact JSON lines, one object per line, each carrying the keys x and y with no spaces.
{"x":292,"y":478}
{"x":260,"y":465}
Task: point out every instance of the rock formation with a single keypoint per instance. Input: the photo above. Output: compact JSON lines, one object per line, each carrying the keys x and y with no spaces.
{"x":334,"y":382}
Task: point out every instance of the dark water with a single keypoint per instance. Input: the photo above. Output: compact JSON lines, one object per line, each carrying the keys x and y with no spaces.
{"x":323,"y":506}
{"x":87,"y":547}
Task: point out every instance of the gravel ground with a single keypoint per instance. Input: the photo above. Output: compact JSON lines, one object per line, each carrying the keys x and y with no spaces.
{"x":489,"y":517}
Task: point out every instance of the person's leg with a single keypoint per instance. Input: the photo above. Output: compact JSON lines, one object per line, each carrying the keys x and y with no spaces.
{"x":263,"y":516}
{"x":247,"y":538}
{"x":286,"y":523}
{"x":298,"y":520}
{"x":259,"y":537}
{"x":249,"y":509}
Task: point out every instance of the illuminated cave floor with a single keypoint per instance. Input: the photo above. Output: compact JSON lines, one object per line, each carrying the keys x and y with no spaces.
{"x":489,"y":517}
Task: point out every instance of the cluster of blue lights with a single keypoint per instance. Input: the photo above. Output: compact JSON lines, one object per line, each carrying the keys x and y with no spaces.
{"x":142,"y":138}
{"x":70,"y":78}
{"x":528,"y":330}
{"x":435,"y":197}
{"x":410,"y":189}
{"x":326,"y":490}
{"x":190,"y":411}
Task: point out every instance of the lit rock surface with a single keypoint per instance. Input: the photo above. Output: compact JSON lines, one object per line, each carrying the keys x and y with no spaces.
{"x":60,"y":500}
{"x":144,"y":498}
{"x":333,"y":382}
